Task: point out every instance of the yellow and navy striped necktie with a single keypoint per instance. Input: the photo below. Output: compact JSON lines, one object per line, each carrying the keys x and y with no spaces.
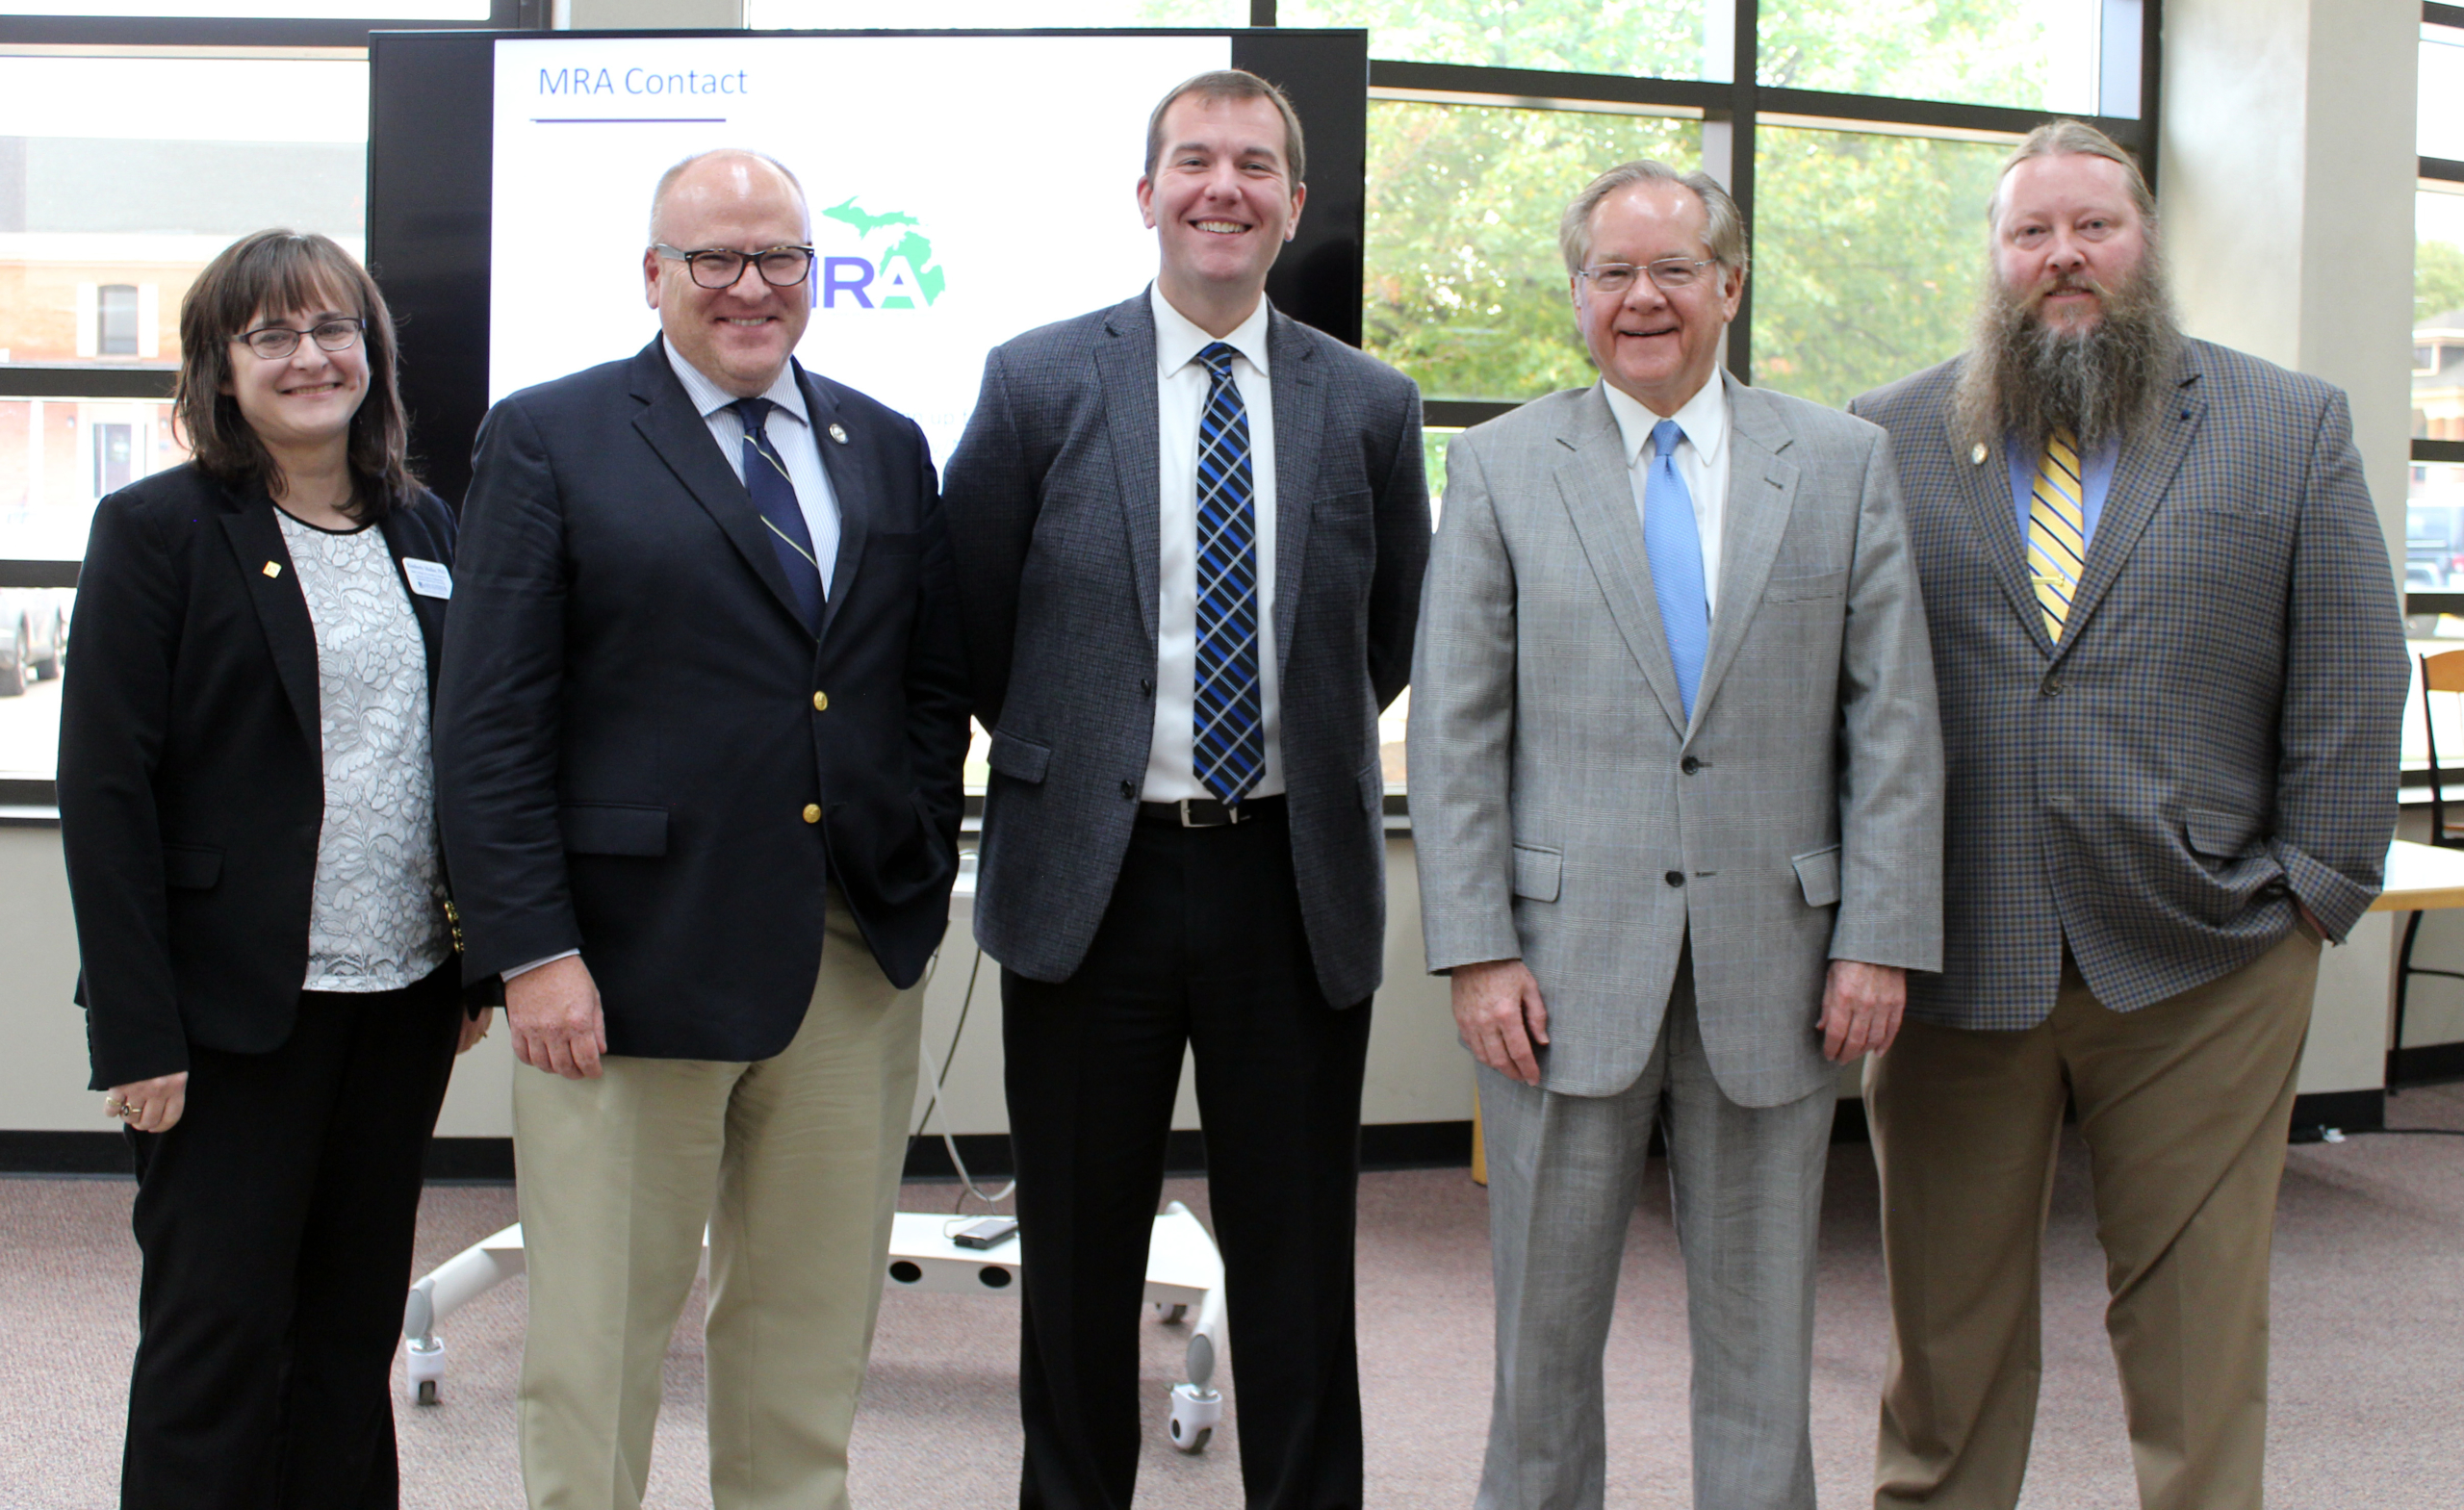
{"x":2057,"y":529}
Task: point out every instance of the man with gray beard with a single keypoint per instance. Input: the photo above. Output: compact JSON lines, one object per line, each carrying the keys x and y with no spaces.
{"x":2171,"y":669}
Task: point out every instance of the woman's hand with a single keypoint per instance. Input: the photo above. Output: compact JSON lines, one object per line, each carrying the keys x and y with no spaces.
{"x":149,"y":1106}
{"x":474,"y":1028}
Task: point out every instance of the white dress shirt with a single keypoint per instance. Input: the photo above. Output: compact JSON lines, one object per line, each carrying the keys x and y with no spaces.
{"x":1180,"y":393}
{"x":796,"y":447}
{"x":1701,"y":461}
{"x":794,"y":441}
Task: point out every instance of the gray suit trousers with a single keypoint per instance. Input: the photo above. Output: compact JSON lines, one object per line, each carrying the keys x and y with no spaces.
{"x":1564,"y":1172}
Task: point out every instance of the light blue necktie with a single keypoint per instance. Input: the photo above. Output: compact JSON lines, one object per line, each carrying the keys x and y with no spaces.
{"x":1229,"y":748}
{"x":1674,"y":546}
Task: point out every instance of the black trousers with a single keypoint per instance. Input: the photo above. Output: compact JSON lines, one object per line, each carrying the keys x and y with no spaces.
{"x":275,"y":1219}
{"x":1201,"y":946}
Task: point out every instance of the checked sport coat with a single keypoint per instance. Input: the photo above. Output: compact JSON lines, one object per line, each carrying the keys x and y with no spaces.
{"x":2213,"y":735}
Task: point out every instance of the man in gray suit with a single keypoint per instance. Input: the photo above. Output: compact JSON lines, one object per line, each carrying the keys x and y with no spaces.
{"x":2171,"y":674}
{"x":1189,"y":534}
{"x":1675,"y":781}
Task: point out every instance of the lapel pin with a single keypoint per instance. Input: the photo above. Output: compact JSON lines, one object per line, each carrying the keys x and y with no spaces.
{"x":838,"y":433}
{"x":273,"y":568}
{"x":1978,"y":455}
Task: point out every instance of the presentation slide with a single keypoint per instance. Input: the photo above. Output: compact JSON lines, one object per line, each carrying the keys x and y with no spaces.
{"x":963,"y":189}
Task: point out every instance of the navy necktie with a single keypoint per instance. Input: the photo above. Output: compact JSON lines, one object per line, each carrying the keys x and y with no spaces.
{"x":1228,"y":753}
{"x":1674,"y":543}
{"x":783,"y":517}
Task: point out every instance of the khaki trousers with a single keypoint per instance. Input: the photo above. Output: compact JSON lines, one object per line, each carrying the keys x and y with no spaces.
{"x":2185,"y":1107}
{"x":794,"y":1163}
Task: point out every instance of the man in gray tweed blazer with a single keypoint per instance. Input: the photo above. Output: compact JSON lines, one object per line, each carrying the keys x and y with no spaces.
{"x":1190,"y":535}
{"x":1676,"y":792}
{"x":2172,"y":671}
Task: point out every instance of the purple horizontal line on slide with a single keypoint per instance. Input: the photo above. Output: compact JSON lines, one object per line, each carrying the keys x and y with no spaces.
{"x":628,"y":120}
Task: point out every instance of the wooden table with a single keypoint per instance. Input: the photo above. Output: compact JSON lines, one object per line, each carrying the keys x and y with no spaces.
{"x":2420,"y":878}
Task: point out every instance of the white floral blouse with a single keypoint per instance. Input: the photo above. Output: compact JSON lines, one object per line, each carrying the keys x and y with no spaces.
{"x":377,"y":922}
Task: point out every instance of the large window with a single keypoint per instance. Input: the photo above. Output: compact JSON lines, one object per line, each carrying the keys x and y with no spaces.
{"x":785,"y":16}
{"x":2434,"y":503}
{"x":2434,"y":495}
{"x":2030,"y":54}
{"x":1870,"y":250}
{"x":1858,"y":136}
{"x":1632,"y":38}
{"x":125,"y":176}
{"x":1466,"y":290}
{"x":135,"y":142}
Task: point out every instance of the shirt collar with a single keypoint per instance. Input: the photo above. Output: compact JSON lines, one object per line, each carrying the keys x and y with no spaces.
{"x":1704,"y":418}
{"x":1178,"y":342}
{"x":708,"y":398}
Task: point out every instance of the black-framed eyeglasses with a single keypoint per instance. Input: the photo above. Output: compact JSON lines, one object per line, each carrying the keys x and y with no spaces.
{"x":717,"y":268}
{"x":273,"y":342}
{"x":1668,"y":274}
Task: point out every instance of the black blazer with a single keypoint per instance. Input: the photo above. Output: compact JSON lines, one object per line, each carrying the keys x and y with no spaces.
{"x":192,"y":768}
{"x":630,"y":731}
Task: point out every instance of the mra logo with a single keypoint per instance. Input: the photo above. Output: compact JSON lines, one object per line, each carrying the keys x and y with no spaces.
{"x":903,"y":276}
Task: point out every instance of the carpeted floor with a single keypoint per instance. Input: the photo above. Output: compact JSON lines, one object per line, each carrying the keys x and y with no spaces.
{"x":2369,"y":1348}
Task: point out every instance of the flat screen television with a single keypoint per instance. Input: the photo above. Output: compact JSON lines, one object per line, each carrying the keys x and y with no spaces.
{"x":965,"y":187}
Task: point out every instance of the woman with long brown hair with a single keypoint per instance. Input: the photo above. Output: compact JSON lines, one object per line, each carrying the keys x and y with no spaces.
{"x":270,"y":978}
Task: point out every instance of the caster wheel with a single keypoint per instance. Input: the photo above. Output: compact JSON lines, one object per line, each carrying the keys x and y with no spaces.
{"x":424,"y":1363}
{"x":1171,"y":1312}
{"x":1196,"y":1411}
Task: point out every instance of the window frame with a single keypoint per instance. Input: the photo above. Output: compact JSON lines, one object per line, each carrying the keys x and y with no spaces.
{"x":1731,"y":112}
{"x":28,"y":800}
{"x":2447,"y":170}
{"x":154,"y":31}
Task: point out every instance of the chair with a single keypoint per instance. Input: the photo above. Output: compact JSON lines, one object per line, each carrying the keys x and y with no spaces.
{"x":2441,"y":673}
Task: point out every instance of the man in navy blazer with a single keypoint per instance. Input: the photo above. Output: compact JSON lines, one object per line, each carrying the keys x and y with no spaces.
{"x":698,"y":750}
{"x":1192,"y":533}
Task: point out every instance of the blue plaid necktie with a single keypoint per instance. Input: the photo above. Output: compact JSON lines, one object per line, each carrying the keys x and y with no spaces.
{"x":774,"y":494}
{"x":1674,"y":544}
{"x":1229,"y":751}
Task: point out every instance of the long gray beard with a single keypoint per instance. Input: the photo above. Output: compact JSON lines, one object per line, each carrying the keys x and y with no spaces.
{"x":2025,"y":381}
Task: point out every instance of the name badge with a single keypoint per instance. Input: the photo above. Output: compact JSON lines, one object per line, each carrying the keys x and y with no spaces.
{"x":428,"y":579}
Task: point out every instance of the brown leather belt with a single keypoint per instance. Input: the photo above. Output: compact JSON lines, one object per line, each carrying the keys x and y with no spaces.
{"x":1205,"y":812}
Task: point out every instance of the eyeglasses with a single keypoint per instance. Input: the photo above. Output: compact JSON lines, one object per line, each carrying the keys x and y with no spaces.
{"x":273,"y":342}
{"x":716,"y":268}
{"x":1668,"y":274}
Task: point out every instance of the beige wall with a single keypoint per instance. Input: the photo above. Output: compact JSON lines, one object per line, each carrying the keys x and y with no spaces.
{"x":1415,"y":1071}
{"x":42,"y":1074}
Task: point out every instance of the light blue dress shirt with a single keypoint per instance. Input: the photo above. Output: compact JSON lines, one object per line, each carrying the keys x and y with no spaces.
{"x":2095,"y":476}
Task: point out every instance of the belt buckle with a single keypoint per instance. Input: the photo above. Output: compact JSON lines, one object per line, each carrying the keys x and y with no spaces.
{"x":1231,"y":813}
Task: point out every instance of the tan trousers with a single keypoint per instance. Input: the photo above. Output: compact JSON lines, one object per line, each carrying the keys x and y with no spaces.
{"x":2185,"y":1107}
{"x":794,"y":1163}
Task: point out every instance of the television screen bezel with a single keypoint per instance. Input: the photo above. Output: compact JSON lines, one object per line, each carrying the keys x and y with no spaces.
{"x":430,"y":183}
